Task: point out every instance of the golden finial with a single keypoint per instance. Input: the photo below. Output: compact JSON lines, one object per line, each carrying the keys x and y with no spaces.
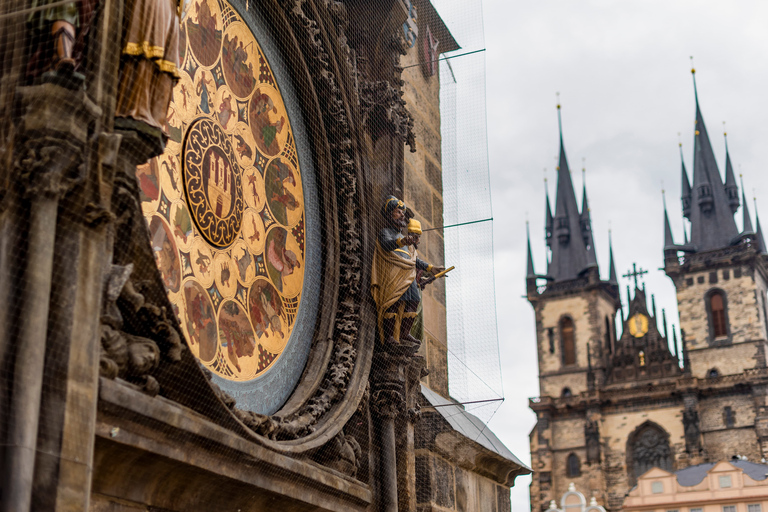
{"x":696,"y":132}
{"x":693,"y":69}
{"x":725,"y":133}
{"x":557,"y":94}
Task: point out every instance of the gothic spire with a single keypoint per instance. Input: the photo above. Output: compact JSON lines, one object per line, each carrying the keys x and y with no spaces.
{"x":747,"y":220}
{"x":569,"y":252}
{"x":686,"y":186}
{"x":669,"y":242}
{"x":612,"y":276}
{"x":586,"y":223}
{"x":760,"y":240}
{"x":712,"y":223}
{"x":529,"y":271}
{"x":549,"y":221}
{"x":731,"y":189}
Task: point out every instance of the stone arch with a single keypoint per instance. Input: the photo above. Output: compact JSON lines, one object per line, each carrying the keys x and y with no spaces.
{"x":647,"y":447}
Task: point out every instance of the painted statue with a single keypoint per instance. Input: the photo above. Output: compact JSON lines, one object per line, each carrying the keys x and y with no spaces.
{"x":394,"y":275}
{"x":150,"y":60}
{"x":58,"y":35}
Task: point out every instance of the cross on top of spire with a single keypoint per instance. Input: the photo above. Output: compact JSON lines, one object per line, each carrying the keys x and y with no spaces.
{"x":635,"y":273}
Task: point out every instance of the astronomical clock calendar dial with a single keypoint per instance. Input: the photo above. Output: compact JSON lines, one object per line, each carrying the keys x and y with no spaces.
{"x":225,"y":204}
{"x":638,"y":325}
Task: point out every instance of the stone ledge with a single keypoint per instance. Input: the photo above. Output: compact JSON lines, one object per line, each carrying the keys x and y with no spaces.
{"x":153,"y":452}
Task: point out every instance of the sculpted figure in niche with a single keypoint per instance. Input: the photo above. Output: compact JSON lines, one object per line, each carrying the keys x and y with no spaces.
{"x":394,"y":283}
{"x":149,"y":62}
{"x":54,"y":29}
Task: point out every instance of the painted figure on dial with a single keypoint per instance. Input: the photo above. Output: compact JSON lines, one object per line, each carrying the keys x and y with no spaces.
{"x":394,"y":283}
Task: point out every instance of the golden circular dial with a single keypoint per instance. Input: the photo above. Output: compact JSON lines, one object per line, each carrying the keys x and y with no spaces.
{"x":638,"y":325}
{"x":225,"y":203}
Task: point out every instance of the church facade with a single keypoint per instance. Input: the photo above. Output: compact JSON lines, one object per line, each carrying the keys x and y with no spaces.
{"x":612,"y":406}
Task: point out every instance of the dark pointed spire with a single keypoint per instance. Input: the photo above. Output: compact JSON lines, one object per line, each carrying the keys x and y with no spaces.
{"x":669,"y":242}
{"x":674,"y":343}
{"x":731,"y":189}
{"x":549,"y":223}
{"x":759,"y":232}
{"x":686,"y":186}
{"x":612,"y":276}
{"x":746,"y":220}
{"x":712,"y":223}
{"x":569,"y":252}
{"x":529,"y":271}
{"x":586,"y":223}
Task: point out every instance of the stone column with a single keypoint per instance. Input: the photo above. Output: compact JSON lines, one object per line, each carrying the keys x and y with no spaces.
{"x":395,"y":379}
{"x":50,"y":161}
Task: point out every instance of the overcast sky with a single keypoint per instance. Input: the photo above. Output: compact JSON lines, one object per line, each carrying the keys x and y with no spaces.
{"x":623,"y":73}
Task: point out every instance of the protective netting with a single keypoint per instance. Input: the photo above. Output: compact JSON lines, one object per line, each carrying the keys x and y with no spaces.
{"x":472,"y":334}
{"x":223,"y":231}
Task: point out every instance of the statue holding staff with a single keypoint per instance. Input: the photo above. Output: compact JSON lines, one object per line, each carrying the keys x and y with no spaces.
{"x":394,"y":284}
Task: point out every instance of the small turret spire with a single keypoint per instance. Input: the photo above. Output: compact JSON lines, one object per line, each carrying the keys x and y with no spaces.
{"x":586,"y":221}
{"x":731,"y":189}
{"x":686,"y":186}
{"x":612,"y":276}
{"x":529,"y":271}
{"x":674,"y":343}
{"x":759,"y":232}
{"x":549,"y":221}
{"x":746,"y":219}
{"x":669,"y":242}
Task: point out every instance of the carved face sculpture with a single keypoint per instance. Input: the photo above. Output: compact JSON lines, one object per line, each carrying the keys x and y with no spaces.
{"x":143,"y":356}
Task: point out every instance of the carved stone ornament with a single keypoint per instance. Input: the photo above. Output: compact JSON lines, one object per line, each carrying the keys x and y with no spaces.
{"x":649,"y":448}
{"x":692,"y":431}
{"x":384,"y":108}
{"x":592,"y":436}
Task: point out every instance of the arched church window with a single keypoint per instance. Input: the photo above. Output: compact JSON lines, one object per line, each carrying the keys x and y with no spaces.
{"x":608,"y":337}
{"x":641,"y":358}
{"x":567,"y":340}
{"x":713,"y":373}
{"x":647,"y":447}
{"x":566,"y":393}
{"x":573,"y":467}
{"x":717,"y":316}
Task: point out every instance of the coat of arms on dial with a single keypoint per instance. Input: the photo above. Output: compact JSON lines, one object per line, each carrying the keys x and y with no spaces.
{"x":225,"y":203}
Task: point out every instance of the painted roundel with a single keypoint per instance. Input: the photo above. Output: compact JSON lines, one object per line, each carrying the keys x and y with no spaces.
{"x":226,"y":202}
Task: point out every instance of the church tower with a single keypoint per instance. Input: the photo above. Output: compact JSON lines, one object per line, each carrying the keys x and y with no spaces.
{"x":721,"y":278}
{"x":611,"y":409}
{"x":575,"y":312}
